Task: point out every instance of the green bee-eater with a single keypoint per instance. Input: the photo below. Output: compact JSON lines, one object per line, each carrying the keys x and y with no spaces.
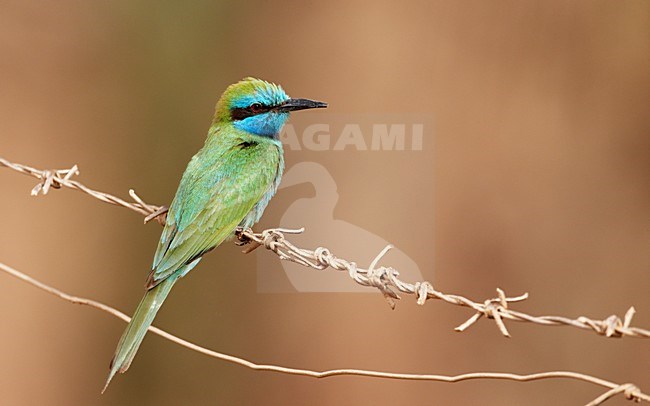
{"x":227,"y":184}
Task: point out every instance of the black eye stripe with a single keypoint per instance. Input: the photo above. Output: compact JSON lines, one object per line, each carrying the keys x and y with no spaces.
{"x":240,"y":113}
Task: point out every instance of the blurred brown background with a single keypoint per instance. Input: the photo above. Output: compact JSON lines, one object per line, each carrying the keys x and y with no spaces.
{"x":534,"y":178}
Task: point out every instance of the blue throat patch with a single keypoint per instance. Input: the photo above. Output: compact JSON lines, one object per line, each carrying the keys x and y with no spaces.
{"x":265,"y":124}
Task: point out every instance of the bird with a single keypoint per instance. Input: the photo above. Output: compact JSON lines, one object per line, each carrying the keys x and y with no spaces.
{"x":226,"y":185}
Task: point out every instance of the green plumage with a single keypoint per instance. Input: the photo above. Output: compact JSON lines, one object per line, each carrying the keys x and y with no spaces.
{"x":221,"y":185}
{"x":228,"y":183}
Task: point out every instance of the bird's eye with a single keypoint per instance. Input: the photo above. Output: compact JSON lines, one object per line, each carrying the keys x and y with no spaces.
{"x":256,"y":107}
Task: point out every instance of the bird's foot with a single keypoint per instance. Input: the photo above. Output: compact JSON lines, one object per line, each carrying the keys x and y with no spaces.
{"x":242,"y":239}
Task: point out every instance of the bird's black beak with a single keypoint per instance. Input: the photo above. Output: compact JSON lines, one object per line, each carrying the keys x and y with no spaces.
{"x":299,"y":104}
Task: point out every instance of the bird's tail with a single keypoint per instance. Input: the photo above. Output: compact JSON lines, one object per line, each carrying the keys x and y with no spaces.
{"x":138,"y":326}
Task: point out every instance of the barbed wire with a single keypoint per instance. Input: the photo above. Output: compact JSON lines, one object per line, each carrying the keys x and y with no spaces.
{"x":383,"y":278}
{"x":629,"y":390}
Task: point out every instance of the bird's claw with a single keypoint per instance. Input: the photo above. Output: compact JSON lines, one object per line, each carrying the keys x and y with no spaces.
{"x":241,"y":238}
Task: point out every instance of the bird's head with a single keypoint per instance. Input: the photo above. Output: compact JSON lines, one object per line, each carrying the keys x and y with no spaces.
{"x":259,"y":107}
